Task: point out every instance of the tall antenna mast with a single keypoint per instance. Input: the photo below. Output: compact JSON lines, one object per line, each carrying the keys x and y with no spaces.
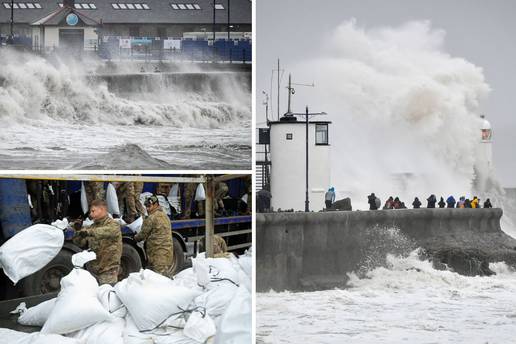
{"x":278,"y":88}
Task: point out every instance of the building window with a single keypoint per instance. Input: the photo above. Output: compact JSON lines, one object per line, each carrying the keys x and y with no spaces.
{"x":289,"y":136}
{"x":93,"y":7}
{"x":321,"y":134}
{"x":127,"y":6}
{"x":196,"y":6}
{"x":30,"y":5}
{"x":219,"y":6}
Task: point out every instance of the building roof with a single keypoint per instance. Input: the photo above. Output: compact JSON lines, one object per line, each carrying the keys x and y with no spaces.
{"x":158,"y":12}
{"x":298,"y":122}
{"x":58,"y":17}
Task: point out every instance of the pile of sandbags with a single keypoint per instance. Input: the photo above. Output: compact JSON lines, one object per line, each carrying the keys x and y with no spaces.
{"x":210,"y":302}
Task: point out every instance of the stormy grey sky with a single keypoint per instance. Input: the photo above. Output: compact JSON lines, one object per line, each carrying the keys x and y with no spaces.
{"x":482,"y":32}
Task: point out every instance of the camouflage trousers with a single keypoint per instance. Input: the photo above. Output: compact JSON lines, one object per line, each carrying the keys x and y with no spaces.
{"x":107,"y":277}
{"x":94,"y":190}
{"x":129,"y":200}
{"x":189,"y":195}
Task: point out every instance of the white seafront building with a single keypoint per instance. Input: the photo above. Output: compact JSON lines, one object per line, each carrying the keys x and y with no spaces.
{"x":288,"y":163}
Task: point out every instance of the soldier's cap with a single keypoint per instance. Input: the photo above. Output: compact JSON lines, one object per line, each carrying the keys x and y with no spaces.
{"x":151,"y":200}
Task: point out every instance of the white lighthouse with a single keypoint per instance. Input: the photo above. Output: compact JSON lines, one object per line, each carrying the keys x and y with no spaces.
{"x":484,"y":157}
{"x":288,"y":163}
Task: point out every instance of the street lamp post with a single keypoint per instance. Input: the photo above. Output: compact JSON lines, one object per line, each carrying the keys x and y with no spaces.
{"x":11,"y":38}
{"x":229,"y":21}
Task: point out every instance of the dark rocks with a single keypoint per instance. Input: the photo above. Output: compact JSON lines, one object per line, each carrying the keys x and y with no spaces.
{"x":343,"y":204}
{"x":467,"y":262}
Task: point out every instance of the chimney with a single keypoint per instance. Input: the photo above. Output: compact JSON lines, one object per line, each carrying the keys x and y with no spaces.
{"x":69,"y":3}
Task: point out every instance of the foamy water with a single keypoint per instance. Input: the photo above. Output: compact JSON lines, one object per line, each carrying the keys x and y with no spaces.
{"x":408,"y":302}
{"x":56,"y":115}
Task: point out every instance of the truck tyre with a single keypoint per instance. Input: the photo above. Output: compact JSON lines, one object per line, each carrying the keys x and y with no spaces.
{"x":178,"y":257}
{"x":47,"y":280}
{"x":130,"y":262}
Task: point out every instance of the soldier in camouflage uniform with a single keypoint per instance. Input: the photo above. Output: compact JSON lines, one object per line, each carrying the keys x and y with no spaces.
{"x":157,"y":233}
{"x":94,"y":190}
{"x":221,"y":190}
{"x":128,"y":194}
{"x":105,"y":239}
{"x":189,"y":195}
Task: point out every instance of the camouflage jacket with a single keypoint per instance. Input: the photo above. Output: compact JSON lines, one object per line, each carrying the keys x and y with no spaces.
{"x":157,"y":233}
{"x":105,"y":239}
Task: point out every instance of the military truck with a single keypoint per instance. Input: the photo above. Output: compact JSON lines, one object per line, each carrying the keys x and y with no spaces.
{"x":30,"y":200}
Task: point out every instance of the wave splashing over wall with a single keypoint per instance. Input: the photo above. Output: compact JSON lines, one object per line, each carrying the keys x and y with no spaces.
{"x":401,"y":108}
{"x":34,"y":89}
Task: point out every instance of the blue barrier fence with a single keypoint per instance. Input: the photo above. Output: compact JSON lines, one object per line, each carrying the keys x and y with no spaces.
{"x":187,"y":50}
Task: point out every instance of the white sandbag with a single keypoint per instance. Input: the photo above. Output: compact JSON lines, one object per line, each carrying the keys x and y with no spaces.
{"x":84,"y":199}
{"x":30,"y":250}
{"x":246,"y":263}
{"x":200,"y":195}
{"x":77,"y":306}
{"x":176,"y":337}
{"x":87,"y":222}
{"x":212,"y":272}
{"x":11,"y":336}
{"x":107,"y":332}
{"x":81,"y":258}
{"x":151,"y":298}
{"x":186,"y":278}
{"x":164,"y":204}
{"x":112,"y":200}
{"x":199,"y":327}
{"x":37,"y":315}
{"x":245,"y":280}
{"x":41,"y":338}
{"x":132,"y":335}
{"x":61,"y":224}
{"x":173,"y":197}
{"x":110,"y":301}
{"x":136,"y":225}
{"x":236,"y":323}
{"x":80,"y":279}
{"x":216,"y":300}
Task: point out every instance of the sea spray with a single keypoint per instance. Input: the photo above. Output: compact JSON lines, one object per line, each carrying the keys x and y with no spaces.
{"x":401,"y":107}
{"x":406,"y":301}
{"x":34,"y":90}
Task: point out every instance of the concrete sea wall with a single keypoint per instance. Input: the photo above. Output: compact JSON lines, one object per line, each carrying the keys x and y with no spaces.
{"x":298,"y":251}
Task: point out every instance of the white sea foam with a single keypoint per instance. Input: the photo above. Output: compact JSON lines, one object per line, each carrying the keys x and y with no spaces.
{"x":408,"y":301}
{"x":58,"y":115}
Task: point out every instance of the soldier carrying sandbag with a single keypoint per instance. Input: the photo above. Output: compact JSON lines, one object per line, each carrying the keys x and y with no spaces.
{"x":157,"y":233}
{"x":105,"y":239}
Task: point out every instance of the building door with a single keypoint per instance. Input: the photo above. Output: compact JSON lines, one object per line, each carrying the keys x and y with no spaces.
{"x":71,"y":40}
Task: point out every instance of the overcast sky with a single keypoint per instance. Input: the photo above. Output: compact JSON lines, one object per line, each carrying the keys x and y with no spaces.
{"x":480,"y":31}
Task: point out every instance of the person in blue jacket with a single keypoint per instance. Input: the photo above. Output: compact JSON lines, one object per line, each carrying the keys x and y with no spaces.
{"x":451,"y":202}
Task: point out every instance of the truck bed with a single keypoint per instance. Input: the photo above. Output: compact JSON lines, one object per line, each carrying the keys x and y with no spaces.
{"x":8,"y":320}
